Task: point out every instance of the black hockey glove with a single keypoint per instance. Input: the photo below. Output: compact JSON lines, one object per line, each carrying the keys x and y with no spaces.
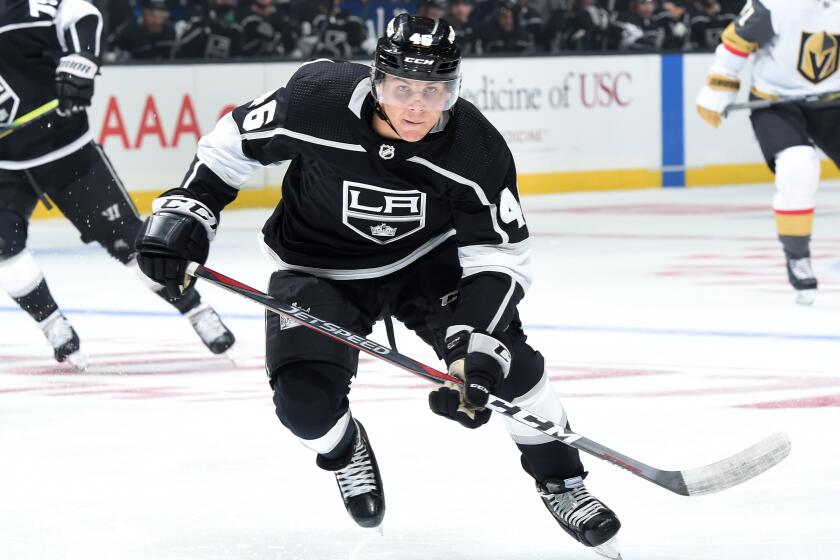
{"x":74,"y":83}
{"x":178,"y":231}
{"x":482,"y":362}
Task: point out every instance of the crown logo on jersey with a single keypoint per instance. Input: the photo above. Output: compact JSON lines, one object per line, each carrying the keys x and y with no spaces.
{"x":386,"y":151}
{"x":383,"y":230}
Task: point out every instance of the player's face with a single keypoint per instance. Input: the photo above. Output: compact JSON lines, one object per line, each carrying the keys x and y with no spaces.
{"x":413,"y":106}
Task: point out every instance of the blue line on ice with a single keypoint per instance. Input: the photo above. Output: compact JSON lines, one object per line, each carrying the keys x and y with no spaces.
{"x":532,"y":327}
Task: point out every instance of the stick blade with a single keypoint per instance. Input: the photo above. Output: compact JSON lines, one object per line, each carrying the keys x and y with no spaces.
{"x":738,"y":468}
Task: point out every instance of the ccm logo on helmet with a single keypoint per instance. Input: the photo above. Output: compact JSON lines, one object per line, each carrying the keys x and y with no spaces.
{"x":419,"y":60}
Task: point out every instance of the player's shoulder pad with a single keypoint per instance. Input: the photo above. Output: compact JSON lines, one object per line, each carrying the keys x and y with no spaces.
{"x":320,"y":91}
{"x":754,"y":25}
{"x":478,"y":152}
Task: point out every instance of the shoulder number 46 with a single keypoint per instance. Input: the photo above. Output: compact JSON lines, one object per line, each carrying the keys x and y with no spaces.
{"x":509,"y":209}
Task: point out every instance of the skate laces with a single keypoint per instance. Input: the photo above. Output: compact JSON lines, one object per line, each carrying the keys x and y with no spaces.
{"x":801,"y":268}
{"x":575,"y":507}
{"x":57,"y":330}
{"x":358,"y":476}
{"x":207,"y":323}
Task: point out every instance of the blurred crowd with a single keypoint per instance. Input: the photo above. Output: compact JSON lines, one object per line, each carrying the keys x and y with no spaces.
{"x":302,"y":29}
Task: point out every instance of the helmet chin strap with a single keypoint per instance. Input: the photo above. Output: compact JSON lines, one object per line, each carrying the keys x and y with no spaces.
{"x":380,"y":112}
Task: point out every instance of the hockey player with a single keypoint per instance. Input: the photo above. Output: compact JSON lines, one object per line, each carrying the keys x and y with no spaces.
{"x":796,"y":52}
{"x":400,"y":199}
{"x":51,"y":49}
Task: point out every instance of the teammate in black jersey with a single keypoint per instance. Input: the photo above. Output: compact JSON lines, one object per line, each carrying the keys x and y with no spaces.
{"x":400,"y":200}
{"x":51,"y":49}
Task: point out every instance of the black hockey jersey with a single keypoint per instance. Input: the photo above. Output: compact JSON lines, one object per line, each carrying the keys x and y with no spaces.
{"x":34,"y":35}
{"x":358,"y":206}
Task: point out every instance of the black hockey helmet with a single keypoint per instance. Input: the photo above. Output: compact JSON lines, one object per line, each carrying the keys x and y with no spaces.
{"x":417,"y":49}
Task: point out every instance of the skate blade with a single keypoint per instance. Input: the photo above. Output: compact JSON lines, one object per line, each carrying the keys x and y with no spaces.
{"x":78,"y":360}
{"x":227,"y":354}
{"x":609,"y":549}
{"x":806,"y":297}
{"x":372,"y":533}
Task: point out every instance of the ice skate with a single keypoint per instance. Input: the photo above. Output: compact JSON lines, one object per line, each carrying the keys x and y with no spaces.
{"x":64,"y":340}
{"x":358,"y":481}
{"x":581,"y":514}
{"x":801,"y":277}
{"x":213,"y":333}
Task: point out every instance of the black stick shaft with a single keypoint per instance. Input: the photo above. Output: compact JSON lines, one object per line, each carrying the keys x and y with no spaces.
{"x":708,"y":478}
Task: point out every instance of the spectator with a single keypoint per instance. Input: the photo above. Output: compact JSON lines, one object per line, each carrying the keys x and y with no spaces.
{"x":531,"y":21}
{"x":482,"y":12}
{"x":334,"y":33}
{"x":211,"y":32}
{"x":731,"y":6}
{"x":259,"y":35}
{"x":459,"y":18}
{"x":708,"y":24}
{"x":500,"y":34}
{"x":675,"y":21}
{"x":150,"y":37}
{"x":116,"y":13}
{"x":639,"y":31}
{"x":434,"y":9}
{"x":589,"y":27}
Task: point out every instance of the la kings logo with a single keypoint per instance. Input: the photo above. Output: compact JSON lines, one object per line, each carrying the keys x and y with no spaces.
{"x":382,"y":215}
{"x":818,"y":56}
{"x":9,"y":102}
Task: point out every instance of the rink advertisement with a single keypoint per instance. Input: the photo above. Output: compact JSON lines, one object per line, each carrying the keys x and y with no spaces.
{"x":551,"y":111}
{"x":573,"y":123}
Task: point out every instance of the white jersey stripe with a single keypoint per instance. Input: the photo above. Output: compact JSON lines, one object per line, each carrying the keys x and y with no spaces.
{"x":498,"y":317}
{"x":304,"y":138}
{"x":361,"y":273}
{"x":52,"y":156}
{"x":15,"y":26}
{"x":479,"y":192}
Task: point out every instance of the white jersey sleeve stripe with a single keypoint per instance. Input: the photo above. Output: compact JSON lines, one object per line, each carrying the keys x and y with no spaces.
{"x":69,"y":12}
{"x":303,"y":138}
{"x":501,"y":311}
{"x":511,"y":259}
{"x":221,"y":152}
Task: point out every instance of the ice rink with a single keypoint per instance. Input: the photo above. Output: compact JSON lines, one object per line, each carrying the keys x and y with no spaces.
{"x":669,"y":329}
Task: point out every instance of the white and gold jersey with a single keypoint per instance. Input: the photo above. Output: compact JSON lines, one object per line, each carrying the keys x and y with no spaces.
{"x":796,"y":45}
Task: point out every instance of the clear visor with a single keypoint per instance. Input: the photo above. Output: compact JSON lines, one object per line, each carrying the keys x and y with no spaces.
{"x":416,"y":94}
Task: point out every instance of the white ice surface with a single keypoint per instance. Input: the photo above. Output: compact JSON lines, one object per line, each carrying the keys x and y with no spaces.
{"x":669,"y":330}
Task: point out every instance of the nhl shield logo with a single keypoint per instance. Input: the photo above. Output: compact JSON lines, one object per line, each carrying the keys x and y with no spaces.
{"x":382,"y":215}
{"x":9,"y":102}
{"x":386,"y":151}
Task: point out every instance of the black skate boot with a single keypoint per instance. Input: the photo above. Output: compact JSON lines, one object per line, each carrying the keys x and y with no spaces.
{"x":213,"y":333}
{"x":578,"y":512}
{"x":801,"y":277}
{"x":357,"y":475}
{"x":64,"y":340}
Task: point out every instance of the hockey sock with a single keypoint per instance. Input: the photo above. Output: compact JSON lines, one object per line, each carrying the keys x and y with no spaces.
{"x":39,"y":303}
{"x":796,"y":246}
{"x":23,"y":280}
{"x":343,"y":447}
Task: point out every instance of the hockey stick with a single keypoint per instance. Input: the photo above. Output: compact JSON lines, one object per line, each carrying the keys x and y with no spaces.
{"x":693,"y":482}
{"x":30,"y":117}
{"x":765,"y":103}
